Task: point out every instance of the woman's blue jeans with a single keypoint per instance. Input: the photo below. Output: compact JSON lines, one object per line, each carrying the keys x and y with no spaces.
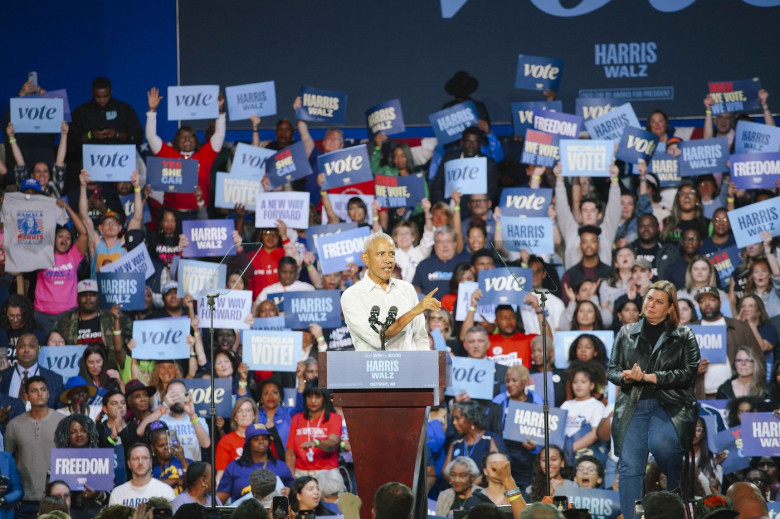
{"x":651,"y":430}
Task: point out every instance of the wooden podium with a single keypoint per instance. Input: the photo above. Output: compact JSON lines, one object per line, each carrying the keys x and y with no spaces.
{"x":386,"y":396}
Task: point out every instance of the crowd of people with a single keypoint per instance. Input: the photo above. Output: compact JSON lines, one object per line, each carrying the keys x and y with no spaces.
{"x":621,"y":243}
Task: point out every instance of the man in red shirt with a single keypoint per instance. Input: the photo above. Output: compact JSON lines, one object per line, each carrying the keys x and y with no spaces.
{"x":509,"y":346}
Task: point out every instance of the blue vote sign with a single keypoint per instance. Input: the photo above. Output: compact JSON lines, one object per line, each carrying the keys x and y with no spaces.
{"x":322,"y":105}
{"x":538,"y":73}
{"x":161,"y":339}
{"x":200,"y":388}
{"x":755,"y":170}
{"x":501,"y":287}
{"x":109,"y":162}
{"x":635,"y":145}
{"x":244,"y":101}
{"x":524,"y":201}
{"x":593,"y":107}
{"x":61,"y":359}
{"x":172,"y":175}
{"x":193,"y":102}
{"x":250,"y":160}
{"x":468,"y":175}
{"x":272,"y":351}
{"x":345,"y":167}
{"x":208,"y":238}
{"x":448,"y":124}
{"x":36,"y":114}
{"x":523,"y":113}
{"x":475,"y":376}
{"x":126,"y":289}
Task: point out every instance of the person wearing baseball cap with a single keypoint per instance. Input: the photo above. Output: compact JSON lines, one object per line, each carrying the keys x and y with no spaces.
{"x":641,"y":277}
{"x":105,"y":244}
{"x":712,"y":375}
{"x":257,"y":454}
{"x":715,"y":506}
{"x":30,"y":186}
{"x":88,"y":324}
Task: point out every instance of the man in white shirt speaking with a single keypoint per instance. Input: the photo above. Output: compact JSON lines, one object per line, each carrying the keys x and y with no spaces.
{"x":378,"y":290}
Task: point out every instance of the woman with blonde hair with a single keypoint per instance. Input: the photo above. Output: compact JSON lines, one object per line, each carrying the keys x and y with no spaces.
{"x":750,"y":379}
{"x":699,"y":274}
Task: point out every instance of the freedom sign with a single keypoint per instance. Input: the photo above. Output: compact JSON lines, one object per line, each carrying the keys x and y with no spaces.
{"x":161,"y":339}
{"x":538,"y":73}
{"x":289,"y":164}
{"x":208,"y":238}
{"x":345,"y":167}
{"x":193,"y":102}
{"x":250,"y":160}
{"x":315,"y":231}
{"x":523,"y":113}
{"x":712,"y":342}
{"x":665,"y":167}
{"x":760,"y":434}
{"x":524,"y":201}
{"x":755,"y":138}
{"x":61,"y":359}
{"x":755,"y":170}
{"x":475,"y":376}
{"x":735,"y":96}
{"x":244,"y":101}
{"x":593,"y":107}
{"x":448,"y":124}
{"x":337,"y":250}
{"x":540,"y":149}
{"x":292,"y":207}
{"x":582,"y":158}
{"x":197,"y":276}
{"x":468,"y":175}
{"x":37,"y":114}
{"x":321,"y":105}
{"x":200,"y":388}
{"x":237,"y":188}
{"x":230,"y":310}
{"x":524,"y":421}
{"x":137,"y":260}
{"x":635,"y":145}
{"x":394,"y":191}
{"x":172,"y":175}
{"x":703,"y":156}
{"x":748,"y":222}
{"x":534,"y":234}
{"x":386,"y":118}
{"x":126,"y":289}
{"x":610,"y":126}
{"x":272,"y":351}
{"x":109,"y":162}
{"x":557,"y":123}
{"x":79,"y":467}
{"x":500,"y":286}
{"x":322,"y":307}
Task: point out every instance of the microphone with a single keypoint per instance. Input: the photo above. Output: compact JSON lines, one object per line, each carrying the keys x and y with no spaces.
{"x":391,"y":314}
{"x":373,"y":319}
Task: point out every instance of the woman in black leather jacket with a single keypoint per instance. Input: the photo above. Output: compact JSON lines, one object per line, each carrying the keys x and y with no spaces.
{"x":654,"y":361}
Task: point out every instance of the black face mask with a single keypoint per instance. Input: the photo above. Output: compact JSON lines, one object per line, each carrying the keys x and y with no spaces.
{"x":177,"y":408}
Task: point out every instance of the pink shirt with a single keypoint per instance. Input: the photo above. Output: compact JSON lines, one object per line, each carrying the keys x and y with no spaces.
{"x":55,"y":291}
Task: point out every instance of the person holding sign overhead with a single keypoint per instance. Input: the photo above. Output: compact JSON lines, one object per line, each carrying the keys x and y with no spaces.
{"x":186,"y":146}
{"x":654,"y":362}
{"x":379,"y":289}
{"x":51,"y":185}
